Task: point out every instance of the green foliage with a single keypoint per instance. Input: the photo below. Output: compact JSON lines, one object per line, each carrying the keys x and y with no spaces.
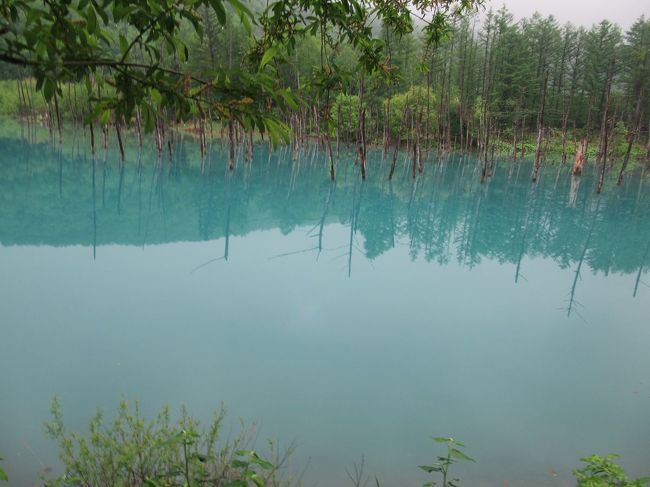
{"x":142,"y":51}
{"x":70,"y":105}
{"x":3,"y":474}
{"x":414,"y":99}
{"x":604,"y":472}
{"x":349,"y":109}
{"x":443,"y":463}
{"x":132,"y":451}
{"x":9,"y":99}
{"x":131,"y":55}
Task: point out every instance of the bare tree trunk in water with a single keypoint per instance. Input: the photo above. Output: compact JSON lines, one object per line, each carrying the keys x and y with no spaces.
{"x":419,"y":139}
{"x":484,"y":158}
{"x":573,"y":195}
{"x":92,"y":133}
{"x":231,"y":148}
{"x":540,"y":130}
{"x":565,"y":121}
{"x":399,"y":141}
{"x":605,"y":135}
{"x":523,"y":146}
{"x":415,"y":144}
{"x":119,"y":139}
{"x":490,"y":172}
{"x":514,"y":141}
{"x":647,"y":154}
{"x":387,"y":128}
{"x":338,"y":129}
{"x":631,"y":135}
{"x":362,"y":147}
{"x":58,"y":117}
{"x":362,"y":130}
{"x":579,"y":162}
{"x":331,"y":156}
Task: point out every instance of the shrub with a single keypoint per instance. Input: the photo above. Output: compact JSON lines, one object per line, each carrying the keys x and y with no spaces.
{"x":131,"y":451}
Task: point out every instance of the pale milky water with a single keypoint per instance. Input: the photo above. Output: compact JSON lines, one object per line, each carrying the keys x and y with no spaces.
{"x":358,"y":319}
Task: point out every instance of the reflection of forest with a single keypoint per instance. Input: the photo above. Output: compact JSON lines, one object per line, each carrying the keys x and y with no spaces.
{"x":50,"y":197}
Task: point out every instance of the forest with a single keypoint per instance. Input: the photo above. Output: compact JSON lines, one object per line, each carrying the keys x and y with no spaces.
{"x":445,"y":76}
{"x":365,"y":222}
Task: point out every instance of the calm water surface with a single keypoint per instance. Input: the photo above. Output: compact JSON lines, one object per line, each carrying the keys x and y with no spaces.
{"x":356,"y":318}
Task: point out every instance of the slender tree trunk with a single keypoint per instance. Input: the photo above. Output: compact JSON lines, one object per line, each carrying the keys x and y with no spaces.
{"x":579,"y":162}
{"x":523,"y":145}
{"x":540,"y":130}
{"x":119,"y":140}
{"x":601,"y":178}
{"x":565,"y":120}
{"x":362,"y":130}
{"x":631,"y":135}
{"x":338,"y":129}
{"x":231,"y":146}
{"x":397,"y":145}
{"x":514,"y":141}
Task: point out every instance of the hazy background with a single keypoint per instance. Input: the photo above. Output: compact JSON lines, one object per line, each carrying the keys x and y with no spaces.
{"x":578,"y":12}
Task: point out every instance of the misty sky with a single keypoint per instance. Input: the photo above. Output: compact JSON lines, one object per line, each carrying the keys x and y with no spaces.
{"x":578,"y":12}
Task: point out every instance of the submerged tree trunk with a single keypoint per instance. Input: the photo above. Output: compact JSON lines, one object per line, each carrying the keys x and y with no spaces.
{"x":362,"y":131}
{"x":231,"y":146}
{"x":631,"y":135}
{"x":540,"y":130}
{"x":399,"y":141}
{"x":605,"y":137}
{"x":579,"y":162}
{"x":331,"y":156}
{"x":565,"y":120}
{"x":119,"y":140}
{"x":514,"y":141}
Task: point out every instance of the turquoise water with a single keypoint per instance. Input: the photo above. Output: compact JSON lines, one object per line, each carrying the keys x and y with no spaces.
{"x":358,"y":319}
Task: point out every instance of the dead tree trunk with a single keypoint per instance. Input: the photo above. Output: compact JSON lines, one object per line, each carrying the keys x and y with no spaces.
{"x":540,"y":130}
{"x":399,"y":141}
{"x":580,"y":158}
{"x":231,"y":147}
{"x":361,"y":138}
{"x":605,"y":134}
{"x":565,"y":120}
{"x":631,"y":135}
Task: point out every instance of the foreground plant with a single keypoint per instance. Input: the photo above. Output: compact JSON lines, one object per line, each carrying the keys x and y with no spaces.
{"x":131,"y":451}
{"x":604,"y":472}
{"x":454,"y":454}
{"x":3,"y":474}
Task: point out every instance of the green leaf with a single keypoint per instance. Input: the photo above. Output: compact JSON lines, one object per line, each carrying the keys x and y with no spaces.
{"x":91,"y":19}
{"x":240,"y":464}
{"x":106,"y":116}
{"x":257,"y":480}
{"x":240,"y":8}
{"x":156,"y":96}
{"x":440,"y":439}
{"x":219,"y":10}
{"x":124,"y":44}
{"x":268,"y":55}
{"x":150,"y":483}
{"x":48,"y":89}
{"x":101,"y":12}
{"x":3,"y":475}
{"x":455,"y":453}
{"x":246,"y":21}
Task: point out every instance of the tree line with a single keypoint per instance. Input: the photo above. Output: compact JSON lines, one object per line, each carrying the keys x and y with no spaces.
{"x":444,"y":75}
